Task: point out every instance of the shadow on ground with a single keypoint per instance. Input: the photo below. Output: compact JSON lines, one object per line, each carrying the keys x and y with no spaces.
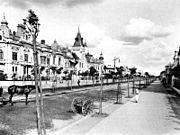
{"x":173,"y":100}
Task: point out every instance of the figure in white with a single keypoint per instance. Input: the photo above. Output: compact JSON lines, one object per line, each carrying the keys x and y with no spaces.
{"x":137,"y":95}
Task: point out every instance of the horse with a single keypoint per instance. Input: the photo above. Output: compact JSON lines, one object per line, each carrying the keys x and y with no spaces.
{"x":20,"y":90}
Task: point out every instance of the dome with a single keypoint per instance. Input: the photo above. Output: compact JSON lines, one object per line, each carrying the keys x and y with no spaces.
{"x":4,"y":21}
{"x":55,"y":46}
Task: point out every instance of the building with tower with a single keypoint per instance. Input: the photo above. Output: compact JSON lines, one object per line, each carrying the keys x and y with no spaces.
{"x":16,"y":55}
{"x":86,"y":60}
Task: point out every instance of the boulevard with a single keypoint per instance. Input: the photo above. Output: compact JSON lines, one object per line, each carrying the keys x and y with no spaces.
{"x":157,"y":113}
{"x":89,"y":67}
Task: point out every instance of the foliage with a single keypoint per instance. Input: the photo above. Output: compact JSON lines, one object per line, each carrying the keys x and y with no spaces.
{"x":146,"y":74}
{"x":93,"y":71}
{"x":3,"y":76}
{"x":133,"y":71}
{"x":32,"y":18}
{"x":86,"y":73}
{"x":119,"y":71}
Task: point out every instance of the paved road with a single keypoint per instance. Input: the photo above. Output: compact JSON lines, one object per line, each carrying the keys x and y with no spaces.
{"x":157,"y":113}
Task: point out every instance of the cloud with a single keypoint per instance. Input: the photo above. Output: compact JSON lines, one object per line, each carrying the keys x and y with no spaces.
{"x":23,"y":4}
{"x":72,"y":3}
{"x":134,"y":40}
{"x":141,"y":29}
{"x":92,"y":34}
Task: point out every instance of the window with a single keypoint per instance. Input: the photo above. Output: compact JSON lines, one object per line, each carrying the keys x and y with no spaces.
{"x":26,"y":57}
{"x":48,"y":61}
{"x":79,"y":64}
{"x":1,"y":54}
{"x":0,"y":37}
{"x":54,"y":57}
{"x":16,"y":69}
{"x":43,"y":60}
{"x":66,"y":64}
{"x":14,"y":55}
{"x":24,"y":70}
{"x":13,"y":68}
{"x":59,"y":61}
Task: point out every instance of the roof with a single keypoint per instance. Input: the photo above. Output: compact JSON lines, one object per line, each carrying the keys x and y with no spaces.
{"x":91,"y":59}
{"x":79,"y":40}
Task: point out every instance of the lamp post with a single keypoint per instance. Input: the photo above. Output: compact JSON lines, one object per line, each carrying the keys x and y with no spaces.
{"x":115,"y":58}
{"x":119,"y":85}
{"x":32,"y":25}
{"x":101,"y":58}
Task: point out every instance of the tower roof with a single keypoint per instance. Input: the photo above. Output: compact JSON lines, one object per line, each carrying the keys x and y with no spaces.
{"x":4,"y":21}
{"x":101,"y":56}
{"x":78,"y":40}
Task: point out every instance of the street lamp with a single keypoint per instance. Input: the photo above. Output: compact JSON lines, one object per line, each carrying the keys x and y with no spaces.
{"x":115,"y":58}
{"x":101,"y":58}
{"x":32,"y":25}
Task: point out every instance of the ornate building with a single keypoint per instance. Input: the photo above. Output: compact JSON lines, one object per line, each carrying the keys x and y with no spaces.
{"x":86,"y":60}
{"x":16,"y":54}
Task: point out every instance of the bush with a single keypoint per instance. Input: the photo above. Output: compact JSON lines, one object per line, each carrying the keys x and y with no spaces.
{"x":177,"y":84}
{"x":3,"y":77}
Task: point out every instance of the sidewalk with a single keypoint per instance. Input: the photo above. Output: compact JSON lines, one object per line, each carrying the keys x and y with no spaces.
{"x":153,"y":115}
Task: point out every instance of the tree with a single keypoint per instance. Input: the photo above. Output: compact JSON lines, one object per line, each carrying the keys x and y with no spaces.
{"x":132,"y":73}
{"x":92,"y":73}
{"x":119,"y":75}
{"x":147,"y":76}
{"x":85,"y":74}
{"x":14,"y":77}
{"x":32,"y":25}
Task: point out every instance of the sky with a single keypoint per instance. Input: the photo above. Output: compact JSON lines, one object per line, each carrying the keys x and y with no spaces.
{"x":141,"y":33}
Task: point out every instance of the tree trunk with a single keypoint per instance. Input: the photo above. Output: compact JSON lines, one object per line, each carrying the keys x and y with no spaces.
{"x":36,"y":85}
{"x":42,"y":107}
{"x":128,"y":87}
{"x":101,"y":96}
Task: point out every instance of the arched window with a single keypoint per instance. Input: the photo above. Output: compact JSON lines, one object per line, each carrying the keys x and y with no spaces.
{"x":1,"y":54}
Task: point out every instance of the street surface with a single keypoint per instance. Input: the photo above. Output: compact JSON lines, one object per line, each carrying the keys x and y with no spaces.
{"x":153,"y":115}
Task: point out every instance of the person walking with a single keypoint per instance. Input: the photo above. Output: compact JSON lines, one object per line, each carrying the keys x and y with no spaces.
{"x":137,"y":95}
{"x":78,"y":82}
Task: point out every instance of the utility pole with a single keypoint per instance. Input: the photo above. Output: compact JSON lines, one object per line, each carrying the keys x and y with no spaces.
{"x":101,"y":58}
{"x":115,"y":58}
{"x":119,"y":83}
{"x":32,"y":25}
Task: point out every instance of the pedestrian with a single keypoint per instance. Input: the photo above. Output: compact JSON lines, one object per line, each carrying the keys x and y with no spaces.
{"x":78,"y":82}
{"x":137,"y":95}
{"x":1,"y":91}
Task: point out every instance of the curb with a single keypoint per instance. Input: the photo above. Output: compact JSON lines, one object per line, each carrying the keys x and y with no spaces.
{"x":176,"y":90}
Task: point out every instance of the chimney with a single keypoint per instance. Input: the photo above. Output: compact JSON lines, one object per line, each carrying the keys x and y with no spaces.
{"x":20,"y":29}
{"x":43,"y":41}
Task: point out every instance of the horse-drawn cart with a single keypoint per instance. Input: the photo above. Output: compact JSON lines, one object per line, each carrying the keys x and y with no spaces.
{"x":82,"y":105}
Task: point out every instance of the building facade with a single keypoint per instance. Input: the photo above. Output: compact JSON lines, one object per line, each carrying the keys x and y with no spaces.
{"x":16,"y":55}
{"x":86,"y":60}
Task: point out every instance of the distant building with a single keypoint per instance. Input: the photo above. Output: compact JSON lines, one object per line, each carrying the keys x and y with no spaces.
{"x":86,"y":60}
